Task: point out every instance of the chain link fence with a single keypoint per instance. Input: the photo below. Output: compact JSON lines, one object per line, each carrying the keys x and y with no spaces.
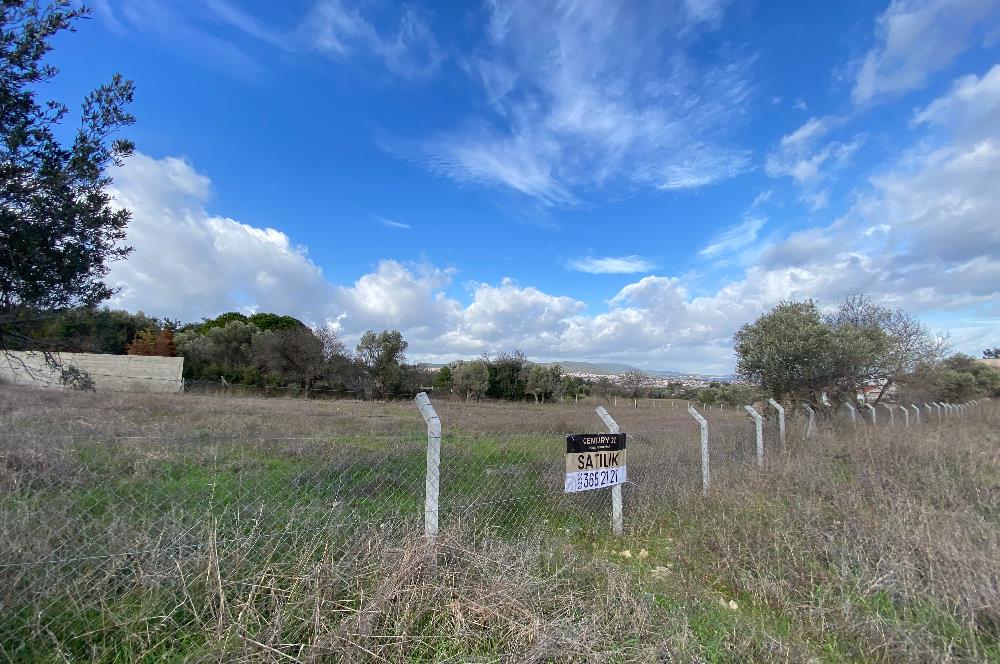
{"x":112,"y":523}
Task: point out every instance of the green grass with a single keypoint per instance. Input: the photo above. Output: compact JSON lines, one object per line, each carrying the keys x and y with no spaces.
{"x":225,"y":545}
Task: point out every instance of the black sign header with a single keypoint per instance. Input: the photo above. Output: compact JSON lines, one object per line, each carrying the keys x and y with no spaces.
{"x":594,"y":442}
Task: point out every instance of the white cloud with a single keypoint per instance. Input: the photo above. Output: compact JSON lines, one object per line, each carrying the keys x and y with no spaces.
{"x":179,"y":29}
{"x":188,"y":263}
{"x":733,"y":238}
{"x":395,"y":296}
{"x":761,"y":198}
{"x":798,"y":156}
{"x":803,"y":156}
{"x":611,"y":265}
{"x":596,"y":96}
{"x":971,"y":105}
{"x":917,"y":38}
{"x":936,"y":250}
{"x":708,"y":11}
{"x":392,"y":223}
{"x":816,"y":200}
{"x":341,"y":30}
{"x":402,"y":41}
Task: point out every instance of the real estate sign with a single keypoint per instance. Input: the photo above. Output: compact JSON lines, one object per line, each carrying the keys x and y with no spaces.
{"x":594,"y":461}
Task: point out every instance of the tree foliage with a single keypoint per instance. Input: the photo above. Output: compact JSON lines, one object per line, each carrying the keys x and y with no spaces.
{"x":793,"y":351}
{"x":263,"y":321}
{"x":222,"y":351}
{"x":634,"y":382}
{"x":507,"y":375}
{"x":383,"y":354}
{"x":879,"y":346}
{"x":298,"y":354}
{"x":150,"y":342}
{"x":543,"y":381}
{"x":443,"y":380}
{"x":471,"y":379}
{"x":789,"y":351}
{"x":88,"y":330}
{"x":58,"y":227}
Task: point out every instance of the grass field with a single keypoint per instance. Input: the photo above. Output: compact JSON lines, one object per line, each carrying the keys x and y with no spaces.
{"x":191,"y":528}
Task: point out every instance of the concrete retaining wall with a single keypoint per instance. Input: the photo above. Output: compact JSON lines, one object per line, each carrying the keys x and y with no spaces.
{"x":113,"y":373}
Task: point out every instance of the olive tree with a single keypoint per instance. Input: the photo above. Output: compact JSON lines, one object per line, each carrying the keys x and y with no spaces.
{"x":471,"y":379}
{"x":889,"y":344}
{"x":298,"y":354}
{"x":634,"y":382}
{"x":790,"y":351}
{"x":542,"y":380}
{"x":383,"y":354}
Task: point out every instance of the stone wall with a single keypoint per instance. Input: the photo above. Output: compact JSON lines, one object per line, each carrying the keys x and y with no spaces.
{"x":113,"y":373}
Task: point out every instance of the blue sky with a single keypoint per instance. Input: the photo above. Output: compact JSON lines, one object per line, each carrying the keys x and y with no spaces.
{"x":583,"y":180}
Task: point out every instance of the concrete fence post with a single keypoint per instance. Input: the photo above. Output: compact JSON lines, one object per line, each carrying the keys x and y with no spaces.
{"x":617,"y":523}
{"x":852,"y":413}
{"x":916,"y":411}
{"x":781,"y":419}
{"x":432,"y":483}
{"x":759,"y":430}
{"x":937,"y":405}
{"x":705,"y":477}
{"x":892,"y":415}
{"x":811,"y":425}
{"x":906,"y":415}
{"x":871,"y":410}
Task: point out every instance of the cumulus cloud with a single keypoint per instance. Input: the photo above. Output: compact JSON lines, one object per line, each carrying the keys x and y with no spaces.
{"x":611,"y":265}
{"x":923,"y":237}
{"x":188,"y":263}
{"x":580,"y":101}
{"x":917,"y":38}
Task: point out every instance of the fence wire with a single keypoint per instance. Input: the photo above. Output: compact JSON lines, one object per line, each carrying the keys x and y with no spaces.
{"x":109,"y":524}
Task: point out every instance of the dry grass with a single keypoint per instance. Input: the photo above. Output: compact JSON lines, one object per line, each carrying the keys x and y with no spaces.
{"x":139,"y":528}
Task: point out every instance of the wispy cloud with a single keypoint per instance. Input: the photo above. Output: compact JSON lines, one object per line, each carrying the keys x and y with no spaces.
{"x":183,"y":31}
{"x":808,"y":159}
{"x":611,"y":265}
{"x":392,"y":223}
{"x":408,"y":49}
{"x":591,"y":97}
{"x":761,"y":198}
{"x":402,"y":40}
{"x":734,"y":237}
{"x":239,"y":19}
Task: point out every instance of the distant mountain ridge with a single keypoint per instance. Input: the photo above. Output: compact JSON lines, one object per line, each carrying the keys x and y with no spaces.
{"x":613,"y":368}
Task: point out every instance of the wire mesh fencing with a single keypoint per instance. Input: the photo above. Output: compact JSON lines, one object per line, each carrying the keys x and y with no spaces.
{"x":129,"y":518}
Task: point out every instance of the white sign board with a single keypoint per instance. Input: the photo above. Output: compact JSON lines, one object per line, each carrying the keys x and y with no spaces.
{"x":595,"y":461}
